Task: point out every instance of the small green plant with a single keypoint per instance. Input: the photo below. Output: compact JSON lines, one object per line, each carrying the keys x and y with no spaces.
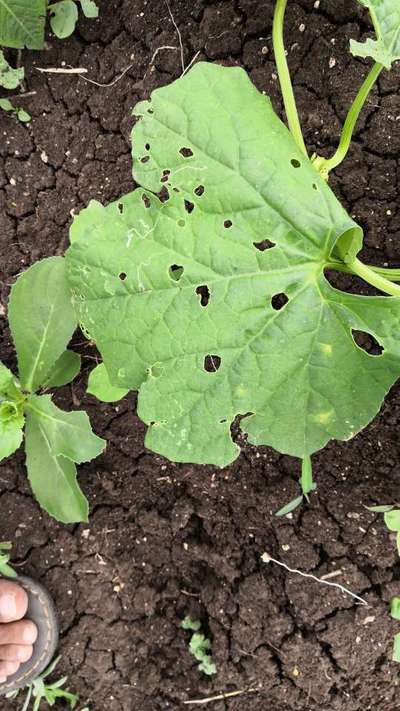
{"x":6,"y":570}
{"x":211,"y":298}
{"x":40,"y":690}
{"x":21,"y":114}
{"x":23,"y":22}
{"x":42,"y":321}
{"x":199,"y":646}
{"x":391,"y":515}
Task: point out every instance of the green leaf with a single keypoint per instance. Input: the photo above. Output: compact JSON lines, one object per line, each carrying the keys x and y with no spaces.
{"x":89,"y":8}
{"x":55,"y":440}
{"x":291,"y":506}
{"x":64,"y":18}
{"x":42,"y":319}
{"x":396,"y":648}
{"x":380,"y":509}
{"x":392,"y":520}
{"x":65,"y":370}
{"x":385,"y":15}
{"x":199,"y":647}
{"x":398,"y":542}
{"x":23,"y":116}
{"x":189,"y":624}
{"x":5,"y":569}
{"x":22,"y":23}
{"x":10,"y":78}
{"x":214,"y":342}
{"x":6,"y":105}
{"x":99,"y":385}
{"x":395,"y":608}
{"x":6,"y":379}
{"x":11,"y":435}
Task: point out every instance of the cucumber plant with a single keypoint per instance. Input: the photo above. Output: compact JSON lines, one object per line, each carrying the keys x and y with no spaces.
{"x":42,"y":321}
{"x":205,"y":289}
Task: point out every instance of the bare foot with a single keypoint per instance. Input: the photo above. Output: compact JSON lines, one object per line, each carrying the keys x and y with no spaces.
{"x":16,"y":634}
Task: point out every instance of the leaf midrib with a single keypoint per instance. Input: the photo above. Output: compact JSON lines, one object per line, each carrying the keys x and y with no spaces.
{"x":18,"y":21}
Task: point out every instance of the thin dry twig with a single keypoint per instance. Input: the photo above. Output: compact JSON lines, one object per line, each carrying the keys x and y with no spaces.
{"x":220,"y":697}
{"x":111,"y":83}
{"x":192,"y":61}
{"x":61,"y":70}
{"x":266,"y":558}
{"x":179,"y":36}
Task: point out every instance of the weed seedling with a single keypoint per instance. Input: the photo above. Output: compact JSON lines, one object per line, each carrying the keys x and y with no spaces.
{"x":42,"y":321}
{"x":6,"y":571}
{"x":40,"y":690}
{"x":199,"y":646}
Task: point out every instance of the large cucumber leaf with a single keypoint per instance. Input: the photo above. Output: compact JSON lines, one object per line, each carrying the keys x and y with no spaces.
{"x":55,"y":441}
{"x":185,"y":297}
{"x":42,"y":320}
{"x":385,"y":15}
{"x":22,"y":23}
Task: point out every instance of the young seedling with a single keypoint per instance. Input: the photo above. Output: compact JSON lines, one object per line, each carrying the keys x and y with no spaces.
{"x":6,"y":571}
{"x":211,"y":299}
{"x":21,"y":114}
{"x":199,"y":646}
{"x":42,"y":321}
{"x":40,"y":690}
{"x":392,"y":521}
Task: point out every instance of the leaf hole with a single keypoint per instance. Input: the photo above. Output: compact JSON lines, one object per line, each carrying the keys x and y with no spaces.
{"x":264,"y":244}
{"x":189,"y":206}
{"x":212,"y":363}
{"x":186,"y":152}
{"x":122,"y":276}
{"x":163,"y":195}
{"x":315,"y":186}
{"x":150,"y":111}
{"x":147,"y":146}
{"x":146,"y":200}
{"x":367,"y":343}
{"x":222,"y":421}
{"x":165,"y":176}
{"x":295,"y":163}
{"x":204,"y":293}
{"x":199,"y":190}
{"x":120,"y":207}
{"x":278,"y":301}
{"x":175,"y":271}
{"x":145,"y":159}
{"x":228,"y":224}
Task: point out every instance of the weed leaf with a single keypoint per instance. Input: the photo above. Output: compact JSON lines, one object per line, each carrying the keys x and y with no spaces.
{"x":10,"y":78}
{"x":64,"y":16}
{"x":385,"y":49}
{"x":99,"y":385}
{"x":392,"y":520}
{"x":11,"y":436}
{"x":42,"y":320}
{"x":213,"y":302}
{"x":22,"y":23}
{"x":65,"y":369}
{"x":89,"y":8}
{"x":55,"y":441}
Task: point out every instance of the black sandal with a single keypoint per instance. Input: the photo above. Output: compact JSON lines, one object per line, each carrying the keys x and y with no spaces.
{"x":42,"y":612}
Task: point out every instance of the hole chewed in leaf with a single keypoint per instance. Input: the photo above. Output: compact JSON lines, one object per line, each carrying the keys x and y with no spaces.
{"x":145,"y":159}
{"x":165,"y":176}
{"x":315,"y":186}
{"x":186,"y":152}
{"x":146,"y":200}
{"x":120,"y":207}
{"x":212,"y":363}
{"x":295,"y":163}
{"x":264,"y":244}
{"x":367,"y":343}
{"x":175,"y":271}
{"x":122,"y":276}
{"x":199,"y":190}
{"x":147,"y":146}
{"x":228,"y":224}
{"x":163,"y":195}
{"x":278,"y":301}
{"x":189,"y":206}
{"x":204,"y":293}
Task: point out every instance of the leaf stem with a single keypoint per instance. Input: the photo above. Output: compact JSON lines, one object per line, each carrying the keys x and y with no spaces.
{"x":284,"y":75}
{"x":375,"y":279}
{"x":392,"y":275}
{"x":351,"y":121}
{"x":306,"y":481}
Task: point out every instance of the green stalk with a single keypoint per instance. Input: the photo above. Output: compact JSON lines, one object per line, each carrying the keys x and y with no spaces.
{"x":375,"y":279}
{"x":306,"y":481}
{"x":284,"y":75}
{"x":351,"y":120}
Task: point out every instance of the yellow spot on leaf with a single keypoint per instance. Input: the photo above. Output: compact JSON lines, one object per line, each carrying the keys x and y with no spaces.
{"x":323,"y":417}
{"x":326,"y":348}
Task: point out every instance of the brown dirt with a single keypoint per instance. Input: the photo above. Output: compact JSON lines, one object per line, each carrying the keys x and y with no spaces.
{"x":165,"y":540}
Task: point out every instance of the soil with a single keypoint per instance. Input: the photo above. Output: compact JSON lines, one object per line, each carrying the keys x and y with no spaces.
{"x":167,"y":540}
